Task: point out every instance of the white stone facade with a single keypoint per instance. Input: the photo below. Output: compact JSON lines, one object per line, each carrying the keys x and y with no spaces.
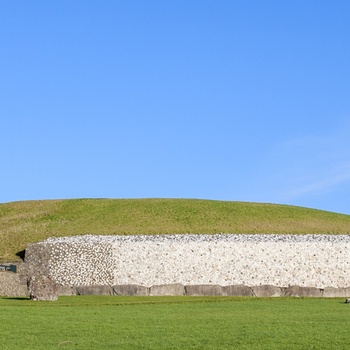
{"x":280,"y":260}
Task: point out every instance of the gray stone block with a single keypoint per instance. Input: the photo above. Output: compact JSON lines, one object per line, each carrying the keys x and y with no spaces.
{"x":168,"y":289}
{"x":203,"y":290}
{"x":267,"y":290}
{"x":66,"y":290}
{"x":42,"y":288}
{"x":330,"y":292}
{"x":130,"y":289}
{"x":94,"y":290}
{"x":237,"y":290}
{"x":298,"y":291}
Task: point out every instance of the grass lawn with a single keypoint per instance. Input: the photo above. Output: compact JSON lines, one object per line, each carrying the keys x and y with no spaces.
{"x":98,"y":322}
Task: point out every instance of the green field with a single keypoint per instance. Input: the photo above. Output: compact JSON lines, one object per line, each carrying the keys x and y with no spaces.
{"x":97,"y":322}
{"x":32,"y":221}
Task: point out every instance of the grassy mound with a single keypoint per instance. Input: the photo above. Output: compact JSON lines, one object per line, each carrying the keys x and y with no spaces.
{"x":32,"y":221}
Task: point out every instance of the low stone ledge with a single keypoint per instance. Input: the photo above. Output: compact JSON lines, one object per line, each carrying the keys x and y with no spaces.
{"x":267,"y":291}
{"x":94,"y":290}
{"x":130,"y":290}
{"x":298,"y":291}
{"x":42,"y":288}
{"x":330,"y":292}
{"x":167,"y":289}
{"x":66,"y":290}
{"x":237,"y":290}
{"x":203,"y":290}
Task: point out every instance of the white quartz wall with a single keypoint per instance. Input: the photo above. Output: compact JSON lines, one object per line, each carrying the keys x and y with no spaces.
{"x":76,"y":262}
{"x":281,"y":260}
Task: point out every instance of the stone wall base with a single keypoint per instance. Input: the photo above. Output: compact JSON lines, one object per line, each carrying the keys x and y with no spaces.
{"x":11,"y":286}
{"x":14,"y":284}
{"x":40,"y":288}
{"x":178,"y":289}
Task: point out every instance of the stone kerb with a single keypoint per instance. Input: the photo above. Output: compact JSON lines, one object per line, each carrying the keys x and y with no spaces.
{"x":130,"y":290}
{"x":330,"y":292}
{"x":238,"y":290}
{"x":203,"y":290}
{"x":268,"y":291}
{"x":168,"y":289}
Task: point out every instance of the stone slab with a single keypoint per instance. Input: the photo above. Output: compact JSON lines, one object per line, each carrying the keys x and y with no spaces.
{"x":130,"y":289}
{"x":268,"y":290}
{"x":168,"y":289}
{"x":203,"y":290}
{"x":330,"y":292}
{"x":237,"y":290}
{"x":94,"y":290}
{"x":66,"y":290}
{"x":42,"y":287}
{"x":298,"y":291}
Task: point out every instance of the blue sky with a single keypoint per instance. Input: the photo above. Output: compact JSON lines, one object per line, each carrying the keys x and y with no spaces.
{"x":228,"y":100}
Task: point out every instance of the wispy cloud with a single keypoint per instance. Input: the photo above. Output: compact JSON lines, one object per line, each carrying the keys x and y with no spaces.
{"x":321,"y":184}
{"x":314,"y":165}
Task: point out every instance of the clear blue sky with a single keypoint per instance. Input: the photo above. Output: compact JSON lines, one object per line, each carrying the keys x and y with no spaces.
{"x":231,"y":100}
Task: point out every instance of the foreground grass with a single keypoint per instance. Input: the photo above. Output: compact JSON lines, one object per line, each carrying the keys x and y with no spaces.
{"x":32,"y":221}
{"x":97,"y":322}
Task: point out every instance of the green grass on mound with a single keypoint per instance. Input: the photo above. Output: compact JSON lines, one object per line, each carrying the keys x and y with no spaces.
{"x":32,"y":221}
{"x":98,"y":322}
